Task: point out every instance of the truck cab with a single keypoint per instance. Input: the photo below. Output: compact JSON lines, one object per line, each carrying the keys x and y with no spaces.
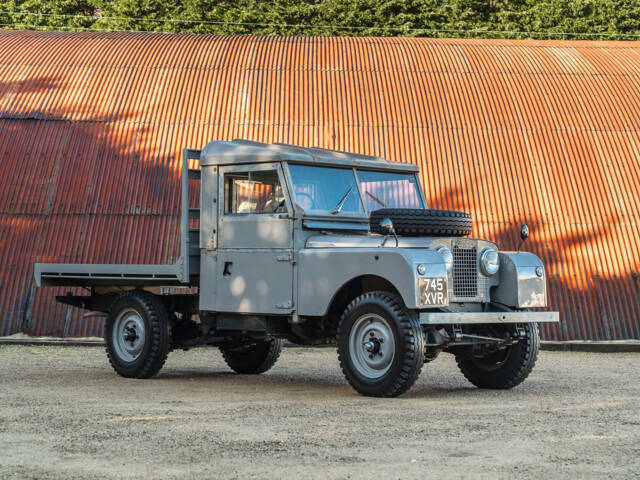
{"x":315,"y":246}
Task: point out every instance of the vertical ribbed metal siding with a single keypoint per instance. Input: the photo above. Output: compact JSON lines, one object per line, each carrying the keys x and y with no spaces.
{"x":92,"y":126}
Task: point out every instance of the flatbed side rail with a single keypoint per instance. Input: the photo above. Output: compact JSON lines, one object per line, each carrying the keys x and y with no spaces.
{"x":69,"y":274}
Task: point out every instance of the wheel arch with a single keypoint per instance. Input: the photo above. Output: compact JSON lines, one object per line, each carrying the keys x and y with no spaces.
{"x":355,"y":287}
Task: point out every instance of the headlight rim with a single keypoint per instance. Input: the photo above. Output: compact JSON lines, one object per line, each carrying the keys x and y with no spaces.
{"x":484,"y":267}
{"x":443,"y":248}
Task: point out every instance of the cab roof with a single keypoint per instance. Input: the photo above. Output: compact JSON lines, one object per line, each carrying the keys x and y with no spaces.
{"x":238,"y":151}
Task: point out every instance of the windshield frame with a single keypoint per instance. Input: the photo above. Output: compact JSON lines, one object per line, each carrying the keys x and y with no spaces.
{"x":364,"y":215}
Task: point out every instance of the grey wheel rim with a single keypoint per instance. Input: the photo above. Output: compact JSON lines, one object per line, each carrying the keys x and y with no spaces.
{"x":128,"y":335}
{"x":371,"y":346}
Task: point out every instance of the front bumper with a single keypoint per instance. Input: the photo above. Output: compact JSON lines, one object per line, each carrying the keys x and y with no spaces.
{"x":476,"y":318}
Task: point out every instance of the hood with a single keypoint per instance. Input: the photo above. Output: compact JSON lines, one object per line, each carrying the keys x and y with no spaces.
{"x":375,"y":241}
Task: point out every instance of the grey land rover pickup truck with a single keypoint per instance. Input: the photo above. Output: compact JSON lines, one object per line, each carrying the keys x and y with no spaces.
{"x":317,"y":246}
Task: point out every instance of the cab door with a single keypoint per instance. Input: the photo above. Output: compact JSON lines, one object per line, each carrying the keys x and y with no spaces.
{"x":255,"y":241}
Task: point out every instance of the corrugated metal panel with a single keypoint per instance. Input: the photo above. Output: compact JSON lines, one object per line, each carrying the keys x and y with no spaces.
{"x":92,"y":126}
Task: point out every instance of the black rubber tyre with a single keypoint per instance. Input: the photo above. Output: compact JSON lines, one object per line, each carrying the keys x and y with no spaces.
{"x":154,"y":346}
{"x":506,"y":368}
{"x":412,"y":222}
{"x":430,"y":355}
{"x":255,"y":358}
{"x":408,"y":344}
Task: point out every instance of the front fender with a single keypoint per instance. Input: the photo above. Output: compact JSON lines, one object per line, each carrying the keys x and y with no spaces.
{"x":520,"y":286}
{"x":323,"y":271}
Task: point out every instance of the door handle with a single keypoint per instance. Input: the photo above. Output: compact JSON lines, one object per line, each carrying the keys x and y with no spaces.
{"x":227,"y":269}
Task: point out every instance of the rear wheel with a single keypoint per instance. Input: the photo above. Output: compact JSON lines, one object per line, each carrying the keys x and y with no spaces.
{"x":137,"y":334}
{"x":380,"y":345}
{"x":502,"y":369}
{"x":257,"y":357}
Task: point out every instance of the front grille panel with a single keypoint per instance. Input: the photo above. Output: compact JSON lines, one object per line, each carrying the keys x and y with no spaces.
{"x":465,"y":272}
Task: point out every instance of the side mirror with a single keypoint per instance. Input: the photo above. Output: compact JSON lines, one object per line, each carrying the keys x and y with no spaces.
{"x":524,"y":234}
{"x":386,"y":225}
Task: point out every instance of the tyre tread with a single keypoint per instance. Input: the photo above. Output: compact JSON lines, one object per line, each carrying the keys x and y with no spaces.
{"x":511,"y":377}
{"x":419,"y":221}
{"x":413,"y":339}
{"x":160,"y":333}
{"x":255,"y":367}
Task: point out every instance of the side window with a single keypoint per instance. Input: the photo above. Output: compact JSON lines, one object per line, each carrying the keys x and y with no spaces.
{"x":253,"y":192}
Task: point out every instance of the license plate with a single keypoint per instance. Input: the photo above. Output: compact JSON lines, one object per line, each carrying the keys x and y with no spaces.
{"x":433,"y":291}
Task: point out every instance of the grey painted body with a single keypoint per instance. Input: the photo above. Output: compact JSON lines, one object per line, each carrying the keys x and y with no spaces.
{"x":518,"y":283}
{"x":324,"y":270}
{"x":293,"y":264}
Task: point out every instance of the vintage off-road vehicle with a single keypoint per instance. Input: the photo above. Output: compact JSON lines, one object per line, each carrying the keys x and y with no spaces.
{"x":317,"y":246}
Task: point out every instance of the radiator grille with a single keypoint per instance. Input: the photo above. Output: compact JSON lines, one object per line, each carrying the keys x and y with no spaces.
{"x":465,"y":272}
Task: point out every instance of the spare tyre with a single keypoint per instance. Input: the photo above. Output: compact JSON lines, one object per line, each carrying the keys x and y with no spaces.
{"x":413,"y":222}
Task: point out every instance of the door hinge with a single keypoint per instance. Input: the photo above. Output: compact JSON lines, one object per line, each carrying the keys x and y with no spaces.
{"x":285,"y":305}
{"x":287,"y":257}
{"x":212,"y":244}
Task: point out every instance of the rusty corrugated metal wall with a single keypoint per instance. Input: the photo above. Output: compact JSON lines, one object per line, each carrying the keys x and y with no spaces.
{"x":547,"y":132}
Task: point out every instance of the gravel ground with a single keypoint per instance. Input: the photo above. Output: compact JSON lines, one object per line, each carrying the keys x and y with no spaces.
{"x":65,"y":414}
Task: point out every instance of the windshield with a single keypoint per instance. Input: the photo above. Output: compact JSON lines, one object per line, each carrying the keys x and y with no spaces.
{"x":325,"y":189}
{"x":333,"y":191}
{"x":389,"y":190}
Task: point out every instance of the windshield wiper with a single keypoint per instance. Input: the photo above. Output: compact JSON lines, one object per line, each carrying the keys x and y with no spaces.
{"x":376,"y":199}
{"x":336,"y":210}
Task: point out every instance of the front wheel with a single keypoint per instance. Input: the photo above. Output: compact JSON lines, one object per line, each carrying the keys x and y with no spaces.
{"x":380,"y":345}
{"x":502,"y":369}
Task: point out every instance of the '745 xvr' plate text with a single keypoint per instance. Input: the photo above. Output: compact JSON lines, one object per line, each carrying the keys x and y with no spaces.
{"x":433,"y":291}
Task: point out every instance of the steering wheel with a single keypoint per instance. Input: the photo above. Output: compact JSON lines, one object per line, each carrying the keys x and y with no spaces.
{"x":309,"y":197}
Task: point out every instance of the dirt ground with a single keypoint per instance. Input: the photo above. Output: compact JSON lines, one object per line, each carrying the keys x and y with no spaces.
{"x":65,"y":414}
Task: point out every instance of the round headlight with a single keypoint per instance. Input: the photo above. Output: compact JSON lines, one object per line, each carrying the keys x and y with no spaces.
{"x":422,"y":269}
{"x":489,"y":261}
{"x":447,"y":256}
